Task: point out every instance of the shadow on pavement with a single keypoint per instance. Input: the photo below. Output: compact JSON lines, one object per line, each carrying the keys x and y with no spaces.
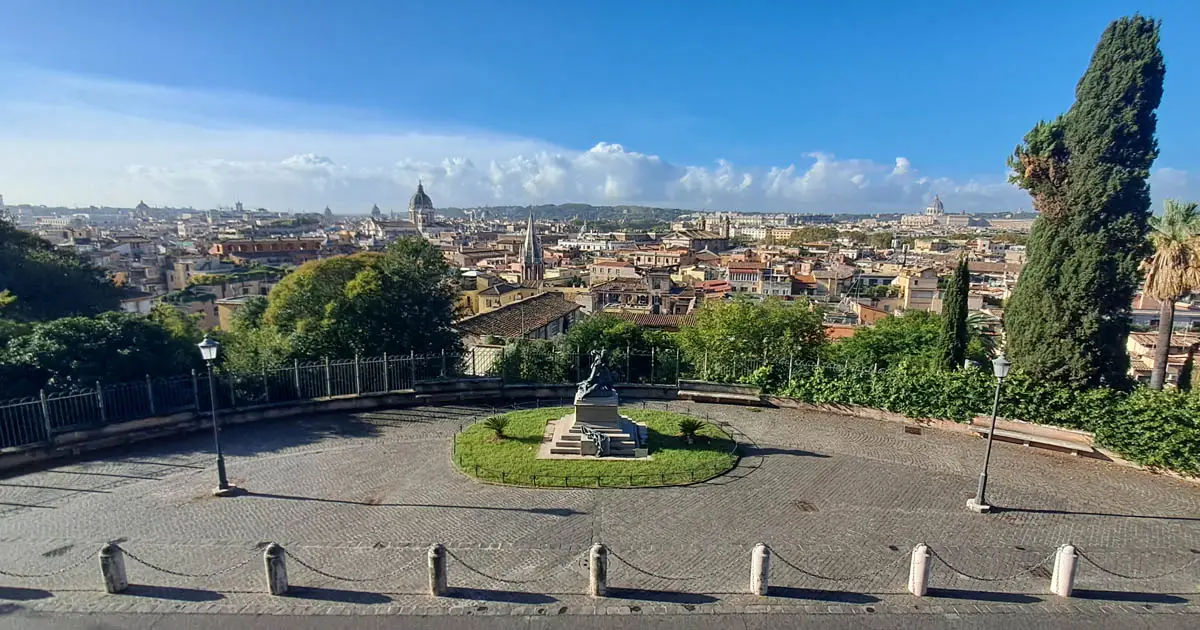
{"x":1151,"y":517}
{"x":1123,"y":596}
{"x":669,"y":597}
{"x":983,"y":596}
{"x":543,"y":511}
{"x":752,"y":451}
{"x":843,"y":597}
{"x":337,"y":595}
{"x":173,"y":592}
{"x":511,"y":597}
{"x":18,"y":594}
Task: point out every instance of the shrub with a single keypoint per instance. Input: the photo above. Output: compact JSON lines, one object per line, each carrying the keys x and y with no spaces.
{"x":497,"y":425}
{"x":688,"y":427}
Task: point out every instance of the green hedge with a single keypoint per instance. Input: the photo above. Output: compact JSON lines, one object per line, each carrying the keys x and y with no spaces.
{"x":1156,"y":429}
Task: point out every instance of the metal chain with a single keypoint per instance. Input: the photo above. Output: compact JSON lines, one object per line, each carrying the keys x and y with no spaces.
{"x":1136,"y":577}
{"x":343,"y":578}
{"x":850,"y":578}
{"x":506,"y":580}
{"x":722,"y":571}
{"x":1025,"y":571}
{"x":65,"y":569}
{"x":188,"y":575}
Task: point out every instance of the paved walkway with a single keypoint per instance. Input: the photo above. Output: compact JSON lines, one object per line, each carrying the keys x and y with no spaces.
{"x":359,"y":498}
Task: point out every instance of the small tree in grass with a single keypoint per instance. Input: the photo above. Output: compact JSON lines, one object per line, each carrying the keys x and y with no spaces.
{"x":688,"y":427}
{"x":497,"y":425}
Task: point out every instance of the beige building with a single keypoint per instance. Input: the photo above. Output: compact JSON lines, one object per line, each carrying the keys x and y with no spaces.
{"x":918,"y":288}
{"x":605,"y":270}
{"x":1141,"y":346}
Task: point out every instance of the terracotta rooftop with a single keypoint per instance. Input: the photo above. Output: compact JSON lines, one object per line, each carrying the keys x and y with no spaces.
{"x":519,"y":318}
{"x":661,"y":320}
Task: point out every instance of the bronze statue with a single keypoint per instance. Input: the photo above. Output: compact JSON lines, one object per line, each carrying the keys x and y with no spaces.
{"x":599,"y":383}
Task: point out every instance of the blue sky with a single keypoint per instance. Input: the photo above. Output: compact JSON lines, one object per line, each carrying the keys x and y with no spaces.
{"x":864,"y":106}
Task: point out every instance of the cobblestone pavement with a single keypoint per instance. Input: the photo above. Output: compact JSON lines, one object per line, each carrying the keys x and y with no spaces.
{"x":841,"y":501}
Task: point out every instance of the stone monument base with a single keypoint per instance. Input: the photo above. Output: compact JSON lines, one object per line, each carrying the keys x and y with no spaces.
{"x":564,"y":438}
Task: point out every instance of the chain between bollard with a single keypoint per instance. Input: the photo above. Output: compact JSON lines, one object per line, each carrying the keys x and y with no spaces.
{"x":1023,"y":572}
{"x":724,"y":570}
{"x":891,"y":565}
{"x":1136,"y":577}
{"x":472,"y":569}
{"x":342,"y":578}
{"x":155,"y":567}
{"x":33,"y":576}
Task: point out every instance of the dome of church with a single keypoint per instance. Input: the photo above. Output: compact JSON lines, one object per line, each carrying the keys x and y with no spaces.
{"x":420,"y":201}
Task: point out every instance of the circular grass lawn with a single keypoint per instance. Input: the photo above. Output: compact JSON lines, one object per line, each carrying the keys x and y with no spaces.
{"x":513,"y":459}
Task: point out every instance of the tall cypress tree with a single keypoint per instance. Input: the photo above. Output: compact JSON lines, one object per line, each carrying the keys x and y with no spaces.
{"x":954,"y":317}
{"x":1086,"y":170}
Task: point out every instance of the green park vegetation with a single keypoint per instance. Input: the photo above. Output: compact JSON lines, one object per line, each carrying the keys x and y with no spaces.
{"x":512,"y":459}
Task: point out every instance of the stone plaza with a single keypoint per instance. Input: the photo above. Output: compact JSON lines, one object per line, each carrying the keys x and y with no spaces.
{"x":357,"y":499}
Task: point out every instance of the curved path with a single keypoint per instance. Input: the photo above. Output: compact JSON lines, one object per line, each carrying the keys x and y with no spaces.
{"x":358,"y":498}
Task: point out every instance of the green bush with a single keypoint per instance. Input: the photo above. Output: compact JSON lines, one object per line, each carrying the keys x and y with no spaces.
{"x":497,"y":425}
{"x":1156,"y":429}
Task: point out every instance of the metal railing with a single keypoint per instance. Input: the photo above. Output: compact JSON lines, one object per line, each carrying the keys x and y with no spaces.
{"x":36,"y":420}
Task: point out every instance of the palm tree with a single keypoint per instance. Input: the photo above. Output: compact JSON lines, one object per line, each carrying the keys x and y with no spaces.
{"x":1172,"y":272}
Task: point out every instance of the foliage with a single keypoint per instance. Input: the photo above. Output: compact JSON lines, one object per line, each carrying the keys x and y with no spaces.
{"x":729,"y":339}
{"x":880,"y":240}
{"x":674,"y":460}
{"x":1086,"y":170}
{"x":78,"y":351}
{"x":689,"y":426}
{"x":605,"y":331}
{"x":955,"y":331}
{"x":497,"y":425}
{"x":398,"y":301}
{"x":533,"y":361}
{"x":1160,"y":429}
{"x":1171,"y":272}
{"x":812,"y":234}
{"x":182,"y":326}
{"x":250,"y":347}
{"x":49,"y":283}
{"x":913,"y":337}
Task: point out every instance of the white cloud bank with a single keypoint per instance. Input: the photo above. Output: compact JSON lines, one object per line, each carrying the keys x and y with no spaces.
{"x":73,"y":141}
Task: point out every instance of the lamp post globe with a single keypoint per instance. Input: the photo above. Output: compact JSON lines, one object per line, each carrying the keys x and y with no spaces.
{"x":208,"y":351}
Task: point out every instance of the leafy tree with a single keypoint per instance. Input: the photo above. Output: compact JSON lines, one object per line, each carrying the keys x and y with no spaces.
{"x":1171,"y":272}
{"x":398,"y":301}
{"x":914,"y":337}
{"x":1087,"y":170}
{"x":880,"y":240}
{"x":49,"y":283}
{"x":955,"y":333}
{"x":730,"y":339}
{"x":812,"y":234}
{"x":182,"y":326}
{"x":112,"y":347}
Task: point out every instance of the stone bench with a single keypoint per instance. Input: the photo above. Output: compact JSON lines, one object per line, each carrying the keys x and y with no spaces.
{"x":1035,"y":435}
{"x":730,"y":393}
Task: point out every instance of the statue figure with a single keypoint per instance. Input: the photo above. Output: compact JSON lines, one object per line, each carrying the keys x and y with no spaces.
{"x":599,"y":383}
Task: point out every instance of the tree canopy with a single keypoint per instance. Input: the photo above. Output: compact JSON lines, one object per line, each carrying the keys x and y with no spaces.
{"x":729,"y":339}
{"x":1086,"y":170}
{"x":954,"y":317}
{"x":47,"y":283}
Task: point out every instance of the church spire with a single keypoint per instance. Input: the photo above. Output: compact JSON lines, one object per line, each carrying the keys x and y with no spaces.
{"x":533,"y":267}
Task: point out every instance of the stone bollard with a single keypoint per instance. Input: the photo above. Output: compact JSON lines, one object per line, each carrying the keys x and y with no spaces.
{"x":437,"y":570}
{"x":112,"y":567}
{"x":1062,"y":583}
{"x":918,"y":572}
{"x":275,"y":559}
{"x":760,"y":569}
{"x":598,"y":571}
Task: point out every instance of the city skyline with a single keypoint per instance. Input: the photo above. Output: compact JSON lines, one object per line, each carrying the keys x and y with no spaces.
{"x":486,"y":121}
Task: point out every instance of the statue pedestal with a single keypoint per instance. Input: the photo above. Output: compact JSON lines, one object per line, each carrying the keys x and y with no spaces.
{"x":597,"y":412}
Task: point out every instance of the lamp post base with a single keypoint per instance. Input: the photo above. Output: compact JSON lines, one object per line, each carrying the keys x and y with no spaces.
{"x":979,"y":508}
{"x":231,"y":491}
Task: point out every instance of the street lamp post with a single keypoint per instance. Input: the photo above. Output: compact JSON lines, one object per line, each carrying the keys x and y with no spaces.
{"x":208,"y":350}
{"x":1000,"y":366}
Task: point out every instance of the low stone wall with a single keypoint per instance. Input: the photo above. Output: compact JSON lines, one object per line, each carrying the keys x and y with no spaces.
{"x":450,"y":391}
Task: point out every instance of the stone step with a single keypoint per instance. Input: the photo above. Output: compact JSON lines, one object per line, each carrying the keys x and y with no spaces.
{"x":576,"y":429}
{"x":565,"y":451}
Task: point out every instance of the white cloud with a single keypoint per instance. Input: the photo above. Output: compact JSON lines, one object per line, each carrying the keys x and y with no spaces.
{"x":74,"y":141}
